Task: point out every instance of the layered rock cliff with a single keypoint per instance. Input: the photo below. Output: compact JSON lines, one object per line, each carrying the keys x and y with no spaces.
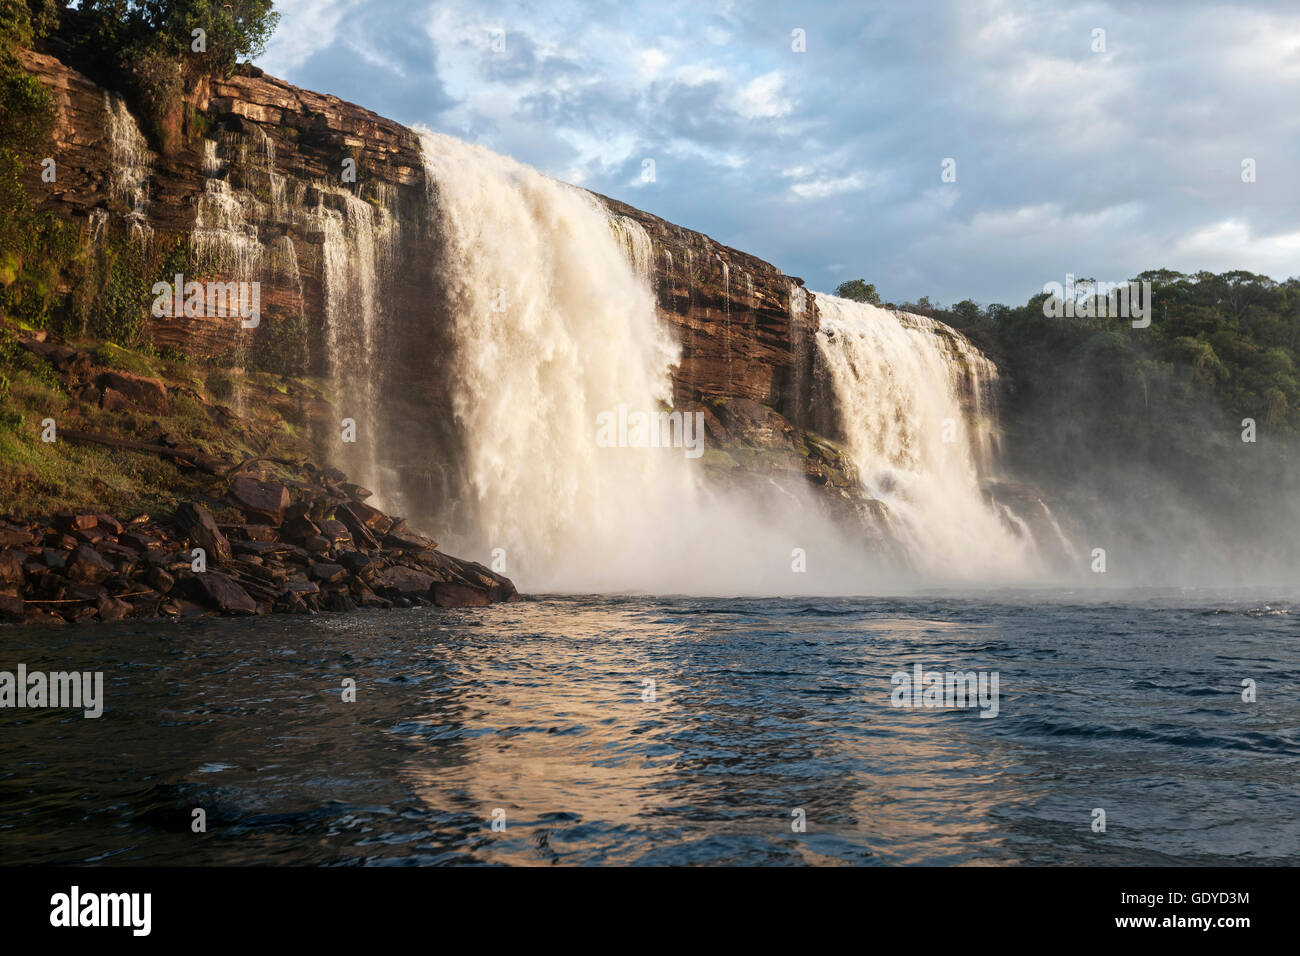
{"x":258,"y":192}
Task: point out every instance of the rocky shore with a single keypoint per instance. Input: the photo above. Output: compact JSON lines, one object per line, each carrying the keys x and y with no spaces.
{"x":306,"y":546}
{"x":251,"y":526}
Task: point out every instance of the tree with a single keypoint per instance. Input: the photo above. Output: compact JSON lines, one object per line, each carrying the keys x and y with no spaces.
{"x":859,"y":290}
{"x":130,"y":29}
{"x":157,"y":49}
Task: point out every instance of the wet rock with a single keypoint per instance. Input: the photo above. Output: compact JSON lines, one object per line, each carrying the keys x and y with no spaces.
{"x":356,"y":492}
{"x":37,"y":615}
{"x":299,"y":528}
{"x":327,"y":572}
{"x":357,"y":562}
{"x":198,"y":525}
{"x":361,"y":534}
{"x":400,"y":581}
{"x":401,"y":536}
{"x":160,"y":580}
{"x":372,"y":518}
{"x":11,"y":569}
{"x":113,"y":609}
{"x":317,"y":544}
{"x":458,"y":595}
{"x":12,"y":609}
{"x":339,"y":601}
{"x":266,"y":499}
{"x":221,"y":592}
{"x":335,"y":531}
{"x":87,"y":565}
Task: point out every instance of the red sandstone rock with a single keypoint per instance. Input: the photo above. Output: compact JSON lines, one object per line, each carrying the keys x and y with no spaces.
{"x":266,"y":499}
{"x":458,"y":595}
{"x":148,"y":393}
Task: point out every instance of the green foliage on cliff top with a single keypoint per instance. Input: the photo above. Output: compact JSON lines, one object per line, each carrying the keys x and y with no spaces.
{"x":859,"y":290}
{"x":121,"y":32}
{"x":156,"y":50}
{"x":1095,"y":404}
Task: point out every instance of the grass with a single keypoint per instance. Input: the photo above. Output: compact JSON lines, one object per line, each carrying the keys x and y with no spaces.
{"x":39,"y":478}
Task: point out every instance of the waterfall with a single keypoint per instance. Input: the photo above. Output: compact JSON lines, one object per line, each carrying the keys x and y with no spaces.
{"x":914,"y":401}
{"x":241,"y":232}
{"x":132,"y":164}
{"x":359,"y":240}
{"x":549,"y":304}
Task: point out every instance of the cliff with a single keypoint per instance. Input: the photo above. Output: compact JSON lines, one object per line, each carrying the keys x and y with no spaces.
{"x":257,"y":191}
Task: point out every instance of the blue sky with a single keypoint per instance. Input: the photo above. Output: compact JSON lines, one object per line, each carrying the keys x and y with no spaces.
{"x":828,"y":162}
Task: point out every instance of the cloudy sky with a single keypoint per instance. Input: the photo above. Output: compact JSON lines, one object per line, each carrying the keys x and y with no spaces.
{"x":829,"y":162}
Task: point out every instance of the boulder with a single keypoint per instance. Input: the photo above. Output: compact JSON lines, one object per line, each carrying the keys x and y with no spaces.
{"x":110,"y":524}
{"x":12,"y":536}
{"x":356,"y":492}
{"x":68,"y":522}
{"x":327,"y":572}
{"x":87,"y":566}
{"x":299,"y":528}
{"x":401,"y":581}
{"x":357,"y":562}
{"x":266,"y":499}
{"x":458,"y":595}
{"x":11,"y":569}
{"x":142,"y":543}
{"x":222,"y":593}
{"x":372,"y":518}
{"x":401,"y":536}
{"x":198,"y":525}
{"x":12,"y":609}
{"x":160,"y":580}
{"x":113,"y":609}
{"x":148,"y":393}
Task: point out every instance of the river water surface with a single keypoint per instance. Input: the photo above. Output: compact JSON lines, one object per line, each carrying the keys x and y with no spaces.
{"x":536,"y":714}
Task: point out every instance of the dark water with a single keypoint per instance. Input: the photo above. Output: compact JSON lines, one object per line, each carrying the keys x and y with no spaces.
{"x":762,"y":707}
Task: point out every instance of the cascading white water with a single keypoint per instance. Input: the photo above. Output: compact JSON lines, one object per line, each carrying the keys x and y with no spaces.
{"x":911,"y":394}
{"x":131,"y":162}
{"x":358,"y":245}
{"x":551,"y":326}
{"x":357,"y":239}
{"x":549,"y":304}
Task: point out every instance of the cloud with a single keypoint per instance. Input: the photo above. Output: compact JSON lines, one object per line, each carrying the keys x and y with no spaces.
{"x":762,"y":97}
{"x":1101,"y":163}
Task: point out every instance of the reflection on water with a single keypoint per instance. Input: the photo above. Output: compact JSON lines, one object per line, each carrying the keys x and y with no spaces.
{"x":760,"y":709}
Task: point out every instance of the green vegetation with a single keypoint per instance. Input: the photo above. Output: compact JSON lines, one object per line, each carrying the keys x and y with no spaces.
{"x":40,"y":478}
{"x":35,"y":248}
{"x":1233,"y":337}
{"x":1097,"y":411}
{"x":156,"y":50}
{"x":859,"y":290}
